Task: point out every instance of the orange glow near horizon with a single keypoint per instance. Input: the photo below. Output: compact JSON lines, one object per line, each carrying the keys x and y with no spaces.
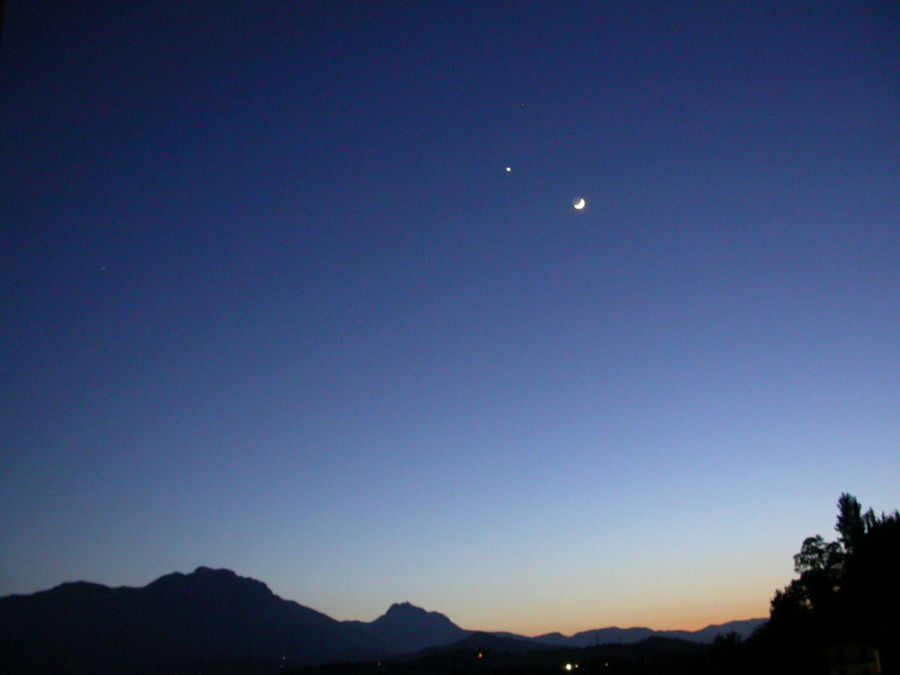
{"x":665,"y":615}
{"x":699,"y":622}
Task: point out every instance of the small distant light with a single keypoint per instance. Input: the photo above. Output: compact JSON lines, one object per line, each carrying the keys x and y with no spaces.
{"x":509,"y":169}
{"x":568,"y":667}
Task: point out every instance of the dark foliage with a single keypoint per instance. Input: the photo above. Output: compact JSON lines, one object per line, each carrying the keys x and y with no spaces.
{"x":847,"y":592}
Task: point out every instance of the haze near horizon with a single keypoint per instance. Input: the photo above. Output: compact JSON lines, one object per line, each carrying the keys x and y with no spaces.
{"x":273,"y":302}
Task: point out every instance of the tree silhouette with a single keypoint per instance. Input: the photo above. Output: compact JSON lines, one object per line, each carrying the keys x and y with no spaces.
{"x":820,"y":565}
{"x":850,"y":524}
{"x":818,"y":556}
{"x":846,"y":590}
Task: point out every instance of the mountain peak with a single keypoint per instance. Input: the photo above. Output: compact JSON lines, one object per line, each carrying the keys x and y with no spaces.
{"x":405,"y":608}
{"x":407,"y":628}
{"x":211,"y":582}
{"x":221,"y":573}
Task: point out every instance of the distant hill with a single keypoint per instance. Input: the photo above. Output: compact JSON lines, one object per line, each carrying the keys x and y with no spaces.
{"x":744,"y":629}
{"x":599,"y":636}
{"x":486,"y":642}
{"x":603,"y":636}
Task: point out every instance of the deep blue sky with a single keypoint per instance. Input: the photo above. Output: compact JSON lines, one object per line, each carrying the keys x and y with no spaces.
{"x":271,"y":301}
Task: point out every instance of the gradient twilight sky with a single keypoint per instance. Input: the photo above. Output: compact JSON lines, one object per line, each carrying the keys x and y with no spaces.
{"x":272,"y":302}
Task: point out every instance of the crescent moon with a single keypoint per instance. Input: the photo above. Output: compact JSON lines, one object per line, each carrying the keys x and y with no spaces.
{"x":579,"y":203}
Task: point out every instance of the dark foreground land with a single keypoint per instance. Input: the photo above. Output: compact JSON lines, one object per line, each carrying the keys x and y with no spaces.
{"x":654,"y":655}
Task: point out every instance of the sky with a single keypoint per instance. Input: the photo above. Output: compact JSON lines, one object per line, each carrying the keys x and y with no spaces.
{"x":272,"y":302}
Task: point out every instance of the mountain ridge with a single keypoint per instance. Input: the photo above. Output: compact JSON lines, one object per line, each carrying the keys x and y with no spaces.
{"x":615,"y":634}
{"x":217,"y":614}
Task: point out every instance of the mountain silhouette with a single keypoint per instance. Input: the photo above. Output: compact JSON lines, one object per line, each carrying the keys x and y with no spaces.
{"x":405,"y":628}
{"x":215,"y":616}
{"x":207,"y":615}
{"x":478,"y":641}
{"x":614,"y":635}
